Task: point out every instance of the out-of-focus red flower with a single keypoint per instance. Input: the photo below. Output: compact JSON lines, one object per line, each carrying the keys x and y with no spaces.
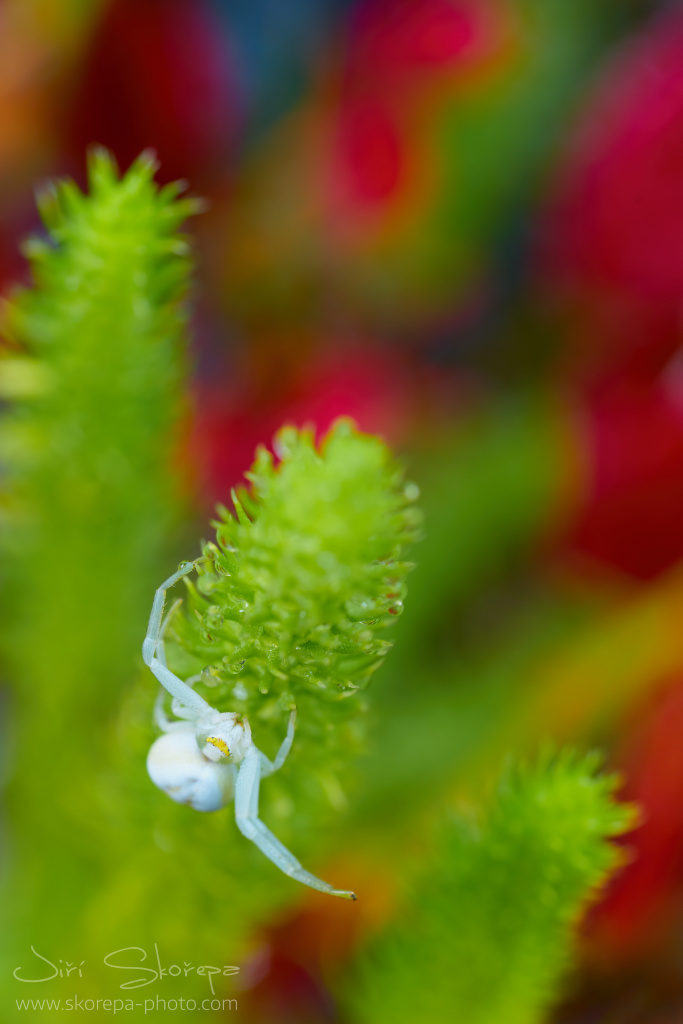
{"x":398,"y":60}
{"x":613,"y":256}
{"x":158,"y":75}
{"x":390,"y":40}
{"x":614,"y":241}
{"x":371,"y":151}
{"x":646,"y":895}
{"x":631,"y":514}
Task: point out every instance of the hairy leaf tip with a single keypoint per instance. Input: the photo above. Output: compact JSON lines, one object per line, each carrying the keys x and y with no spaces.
{"x":304,"y":576}
{"x":488,"y":935}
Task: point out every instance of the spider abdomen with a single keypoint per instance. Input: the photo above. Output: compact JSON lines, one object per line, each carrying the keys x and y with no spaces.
{"x":177,"y":766}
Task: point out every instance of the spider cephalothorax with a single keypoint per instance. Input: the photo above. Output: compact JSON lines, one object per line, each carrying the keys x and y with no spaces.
{"x":224,"y":736}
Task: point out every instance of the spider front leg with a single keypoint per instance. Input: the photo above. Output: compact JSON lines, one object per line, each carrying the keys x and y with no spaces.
{"x":162,"y":720}
{"x":176,"y":687}
{"x":250,"y":825}
{"x":268,"y":766}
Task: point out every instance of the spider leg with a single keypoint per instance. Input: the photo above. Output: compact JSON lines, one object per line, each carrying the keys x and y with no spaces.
{"x":161,"y":719}
{"x":155,"y":628}
{"x":186,"y":718}
{"x":250,"y":825}
{"x":176,"y":687}
{"x":161,"y":647}
{"x":268,"y":766}
{"x":183,"y":693}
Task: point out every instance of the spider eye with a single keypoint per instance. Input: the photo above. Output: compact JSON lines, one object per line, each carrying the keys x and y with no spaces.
{"x":220,"y":744}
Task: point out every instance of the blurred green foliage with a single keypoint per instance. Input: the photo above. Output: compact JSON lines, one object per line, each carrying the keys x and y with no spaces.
{"x":94,"y":365}
{"x":478,"y":619}
{"x":98,"y":371}
{"x":487,"y":932}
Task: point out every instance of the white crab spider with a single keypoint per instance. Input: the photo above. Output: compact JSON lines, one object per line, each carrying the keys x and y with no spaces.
{"x":205,"y":757}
